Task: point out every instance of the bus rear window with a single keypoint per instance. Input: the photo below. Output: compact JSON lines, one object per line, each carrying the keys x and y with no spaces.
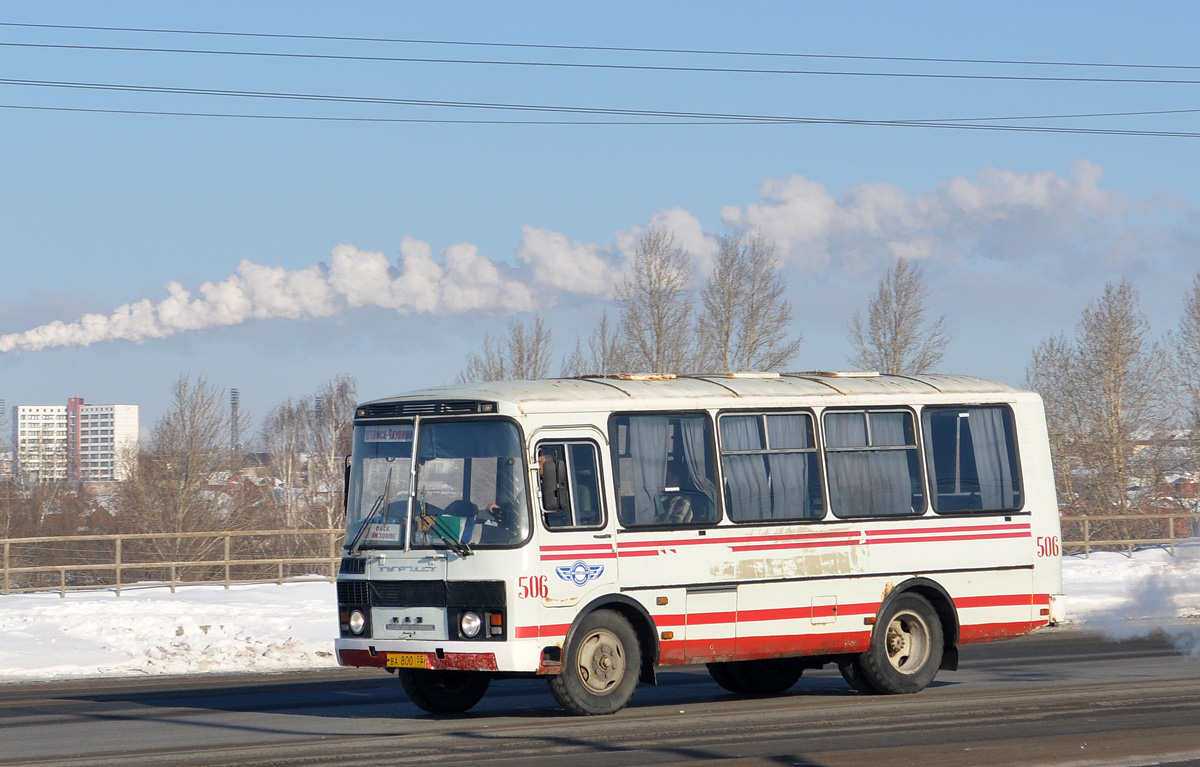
{"x":971,"y":456}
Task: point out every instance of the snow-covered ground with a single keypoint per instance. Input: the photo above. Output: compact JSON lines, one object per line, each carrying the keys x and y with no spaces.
{"x":200,"y":629}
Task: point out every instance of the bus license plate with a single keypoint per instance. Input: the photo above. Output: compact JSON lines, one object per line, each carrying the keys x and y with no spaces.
{"x":405,"y":660}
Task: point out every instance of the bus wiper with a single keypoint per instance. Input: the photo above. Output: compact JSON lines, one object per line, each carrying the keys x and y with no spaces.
{"x":371,"y":515}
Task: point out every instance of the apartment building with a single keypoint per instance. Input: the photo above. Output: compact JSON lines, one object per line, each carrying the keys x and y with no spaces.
{"x":73,"y":442}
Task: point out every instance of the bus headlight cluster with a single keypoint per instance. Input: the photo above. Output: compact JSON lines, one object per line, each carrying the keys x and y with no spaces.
{"x":470,"y":624}
{"x":357,"y":621}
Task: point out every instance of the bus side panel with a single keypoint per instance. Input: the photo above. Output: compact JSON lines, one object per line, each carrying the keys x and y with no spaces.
{"x":1042,"y":502}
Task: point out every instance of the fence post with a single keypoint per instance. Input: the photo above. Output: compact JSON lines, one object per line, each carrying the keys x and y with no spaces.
{"x":333,"y":557}
{"x":1087,"y":539}
{"x":227,"y":535}
{"x":117,"y":563}
{"x":62,"y":582}
{"x":1171,"y":535}
{"x":174,"y":579}
{"x":6,"y":552}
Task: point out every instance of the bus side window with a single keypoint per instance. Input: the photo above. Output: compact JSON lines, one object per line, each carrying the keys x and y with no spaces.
{"x":664,"y":468}
{"x":580,"y":504}
{"x":971,"y":457}
{"x":872,"y":463}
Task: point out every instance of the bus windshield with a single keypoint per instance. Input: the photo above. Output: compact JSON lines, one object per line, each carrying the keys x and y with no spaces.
{"x":379,"y":486}
{"x":469,"y":489}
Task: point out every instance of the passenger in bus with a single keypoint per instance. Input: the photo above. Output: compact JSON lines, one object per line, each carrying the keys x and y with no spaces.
{"x":676,"y":509}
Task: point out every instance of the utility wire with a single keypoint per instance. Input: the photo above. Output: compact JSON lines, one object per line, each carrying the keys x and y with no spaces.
{"x":716,"y":120}
{"x":626,"y":67}
{"x":600,"y":48}
{"x":664,"y":114}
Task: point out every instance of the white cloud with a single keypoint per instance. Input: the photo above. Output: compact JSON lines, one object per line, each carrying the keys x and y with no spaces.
{"x":1000,"y":215}
{"x":567,"y":265}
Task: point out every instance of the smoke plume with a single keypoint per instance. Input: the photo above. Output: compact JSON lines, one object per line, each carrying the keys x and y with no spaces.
{"x":461,"y":281}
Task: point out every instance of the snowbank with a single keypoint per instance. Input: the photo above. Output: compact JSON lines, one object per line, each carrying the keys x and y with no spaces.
{"x":271,"y":628}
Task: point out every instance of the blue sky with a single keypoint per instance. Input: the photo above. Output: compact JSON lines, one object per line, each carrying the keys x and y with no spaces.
{"x":383,"y":250}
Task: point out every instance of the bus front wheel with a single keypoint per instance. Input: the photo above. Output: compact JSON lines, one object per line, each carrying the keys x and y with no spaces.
{"x":601,"y":666}
{"x":443,"y":692}
{"x":906,"y":648}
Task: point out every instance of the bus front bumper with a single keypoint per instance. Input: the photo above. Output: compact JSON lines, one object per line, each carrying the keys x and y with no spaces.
{"x":443,"y":656}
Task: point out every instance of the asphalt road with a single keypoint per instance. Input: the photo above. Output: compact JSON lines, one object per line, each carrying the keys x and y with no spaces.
{"x":1055,"y":698}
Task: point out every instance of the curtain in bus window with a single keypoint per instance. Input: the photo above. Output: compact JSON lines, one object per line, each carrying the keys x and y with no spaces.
{"x":846,"y":429}
{"x":696,"y":449}
{"x":746,"y":486}
{"x":991,"y":445}
{"x":869,"y":483}
{"x":741,"y":432}
{"x":648,"y":446}
{"x":789,"y":432}
{"x":791,"y":496}
{"x":890,"y":429}
{"x":790,"y":493}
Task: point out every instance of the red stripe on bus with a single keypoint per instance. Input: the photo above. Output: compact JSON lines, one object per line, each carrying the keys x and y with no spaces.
{"x":995,"y":600}
{"x":992,"y":632}
{"x":569,"y":556}
{"x":577,"y":547}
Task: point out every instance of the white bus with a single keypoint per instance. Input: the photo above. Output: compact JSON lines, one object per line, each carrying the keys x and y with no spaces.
{"x":593,"y":530}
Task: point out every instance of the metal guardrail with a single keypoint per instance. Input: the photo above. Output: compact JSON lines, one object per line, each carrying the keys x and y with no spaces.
{"x":1171,"y":533}
{"x":136,"y":559}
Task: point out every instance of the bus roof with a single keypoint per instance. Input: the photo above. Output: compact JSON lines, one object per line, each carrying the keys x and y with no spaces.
{"x":668,"y":392}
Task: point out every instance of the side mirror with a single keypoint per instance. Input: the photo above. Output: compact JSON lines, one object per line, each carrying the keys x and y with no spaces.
{"x":554,"y":486}
{"x":346,"y":486}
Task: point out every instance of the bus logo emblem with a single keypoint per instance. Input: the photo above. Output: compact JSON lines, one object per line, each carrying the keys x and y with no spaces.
{"x":580,"y":572}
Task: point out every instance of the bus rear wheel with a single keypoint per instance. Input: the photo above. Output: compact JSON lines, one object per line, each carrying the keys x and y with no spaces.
{"x":601,"y":666}
{"x":444,"y":692}
{"x":770,"y":676}
{"x":906,"y":648}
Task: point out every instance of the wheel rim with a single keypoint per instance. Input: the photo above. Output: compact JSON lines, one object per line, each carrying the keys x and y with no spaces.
{"x":601,"y":662}
{"x":907,"y":642}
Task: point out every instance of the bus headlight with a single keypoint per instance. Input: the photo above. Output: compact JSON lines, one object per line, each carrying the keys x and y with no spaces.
{"x":470,"y":624}
{"x":357,"y":622}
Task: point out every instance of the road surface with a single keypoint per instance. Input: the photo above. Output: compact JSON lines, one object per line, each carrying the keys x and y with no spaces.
{"x":1056,"y":698}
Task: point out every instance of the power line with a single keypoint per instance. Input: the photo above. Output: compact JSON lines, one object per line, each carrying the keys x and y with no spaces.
{"x":623,"y":67}
{"x":649,"y":122}
{"x":601,"y":48}
{"x":388,"y":101}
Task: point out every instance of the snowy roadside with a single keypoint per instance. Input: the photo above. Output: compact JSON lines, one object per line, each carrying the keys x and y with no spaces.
{"x":262,"y":628}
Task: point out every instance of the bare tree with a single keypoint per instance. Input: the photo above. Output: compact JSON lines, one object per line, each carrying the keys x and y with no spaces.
{"x":896,"y":339}
{"x":181,"y":479}
{"x":604,"y":355}
{"x":330,"y":430}
{"x":284,"y":438}
{"x":745,"y":319}
{"x":524,"y":354}
{"x":655,"y":307}
{"x":1104,"y":394}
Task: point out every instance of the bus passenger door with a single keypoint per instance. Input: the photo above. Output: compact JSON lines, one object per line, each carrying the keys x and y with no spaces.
{"x":577,"y":551}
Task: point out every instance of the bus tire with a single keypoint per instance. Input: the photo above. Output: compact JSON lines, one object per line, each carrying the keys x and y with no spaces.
{"x":443,"y":692}
{"x":851,"y":670}
{"x":723,"y":676}
{"x":906,"y":647}
{"x":770,"y":676}
{"x":601,"y":666}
